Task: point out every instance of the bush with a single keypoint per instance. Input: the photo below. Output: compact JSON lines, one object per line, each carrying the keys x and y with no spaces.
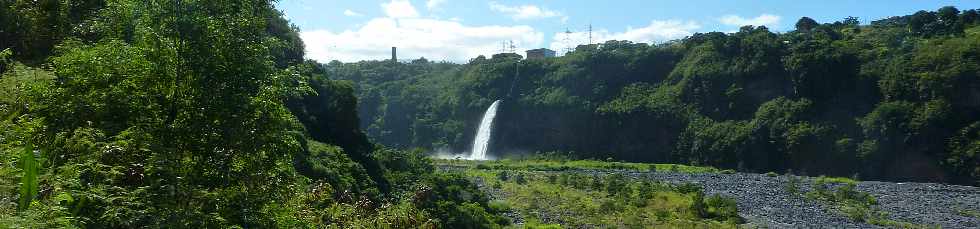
{"x":687,"y":188}
{"x":499,"y":206}
{"x":503,"y":176}
{"x":698,"y":206}
{"x":552,"y":179}
{"x":471,"y":215}
{"x":609,"y":205}
{"x":792,"y":185}
{"x":519,"y":179}
{"x":616,"y":183}
{"x":722,"y":208}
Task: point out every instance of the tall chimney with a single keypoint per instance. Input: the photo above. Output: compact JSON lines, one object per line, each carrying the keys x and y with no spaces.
{"x":394,"y":54}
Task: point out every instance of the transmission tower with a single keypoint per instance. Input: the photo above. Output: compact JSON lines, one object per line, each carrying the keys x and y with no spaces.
{"x":590,"y":33}
{"x":567,"y":41}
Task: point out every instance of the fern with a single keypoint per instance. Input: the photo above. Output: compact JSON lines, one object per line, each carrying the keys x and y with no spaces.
{"x":28,"y":182}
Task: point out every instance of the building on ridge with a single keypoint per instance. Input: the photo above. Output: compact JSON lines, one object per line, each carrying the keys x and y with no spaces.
{"x":540,"y":53}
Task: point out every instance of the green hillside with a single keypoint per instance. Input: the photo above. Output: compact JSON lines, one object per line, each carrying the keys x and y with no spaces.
{"x":898,"y":99}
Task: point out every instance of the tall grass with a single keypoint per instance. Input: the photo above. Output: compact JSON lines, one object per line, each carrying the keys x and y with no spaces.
{"x":28,"y":181}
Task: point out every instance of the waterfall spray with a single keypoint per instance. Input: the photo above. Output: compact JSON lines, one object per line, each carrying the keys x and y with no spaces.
{"x":481,"y":143}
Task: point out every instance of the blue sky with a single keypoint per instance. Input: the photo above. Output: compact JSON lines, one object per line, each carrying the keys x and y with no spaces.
{"x":457,"y":30}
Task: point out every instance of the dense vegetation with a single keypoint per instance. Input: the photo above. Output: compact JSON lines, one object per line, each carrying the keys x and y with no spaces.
{"x":898,"y":99}
{"x":194,"y":114}
{"x":575,"y":198}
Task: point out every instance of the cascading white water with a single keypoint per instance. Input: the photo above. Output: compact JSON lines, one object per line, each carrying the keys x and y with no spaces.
{"x":482,"y":140}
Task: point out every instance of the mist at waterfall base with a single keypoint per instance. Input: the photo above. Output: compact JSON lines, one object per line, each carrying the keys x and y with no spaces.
{"x":481,"y":142}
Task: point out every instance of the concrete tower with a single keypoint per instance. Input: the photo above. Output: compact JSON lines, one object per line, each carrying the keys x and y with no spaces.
{"x":394,"y":54}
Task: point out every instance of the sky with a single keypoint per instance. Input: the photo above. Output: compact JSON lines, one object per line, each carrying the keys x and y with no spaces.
{"x":459,"y":30}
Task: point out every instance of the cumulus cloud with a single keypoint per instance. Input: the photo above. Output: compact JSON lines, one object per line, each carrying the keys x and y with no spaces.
{"x":399,"y":9}
{"x":433,"y":4}
{"x":351,"y":13}
{"x":524,"y":11}
{"x":767,"y":20}
{"x":415,"y":37}
{"x":657,"y":31}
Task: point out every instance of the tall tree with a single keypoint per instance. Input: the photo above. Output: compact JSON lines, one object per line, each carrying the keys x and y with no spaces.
{"x":806,"y":24}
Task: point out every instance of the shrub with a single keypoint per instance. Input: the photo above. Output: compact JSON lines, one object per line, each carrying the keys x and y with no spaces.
{"x":519,"y":178}
{"x":722,"y":208}
{"x":609,"y":205}
{"x":596,"y":183}
{"x":697,"y":204}
{"x":471,"y":215}
{"x":792,"y":185}
{"x":564,"y":179}
{"x":687,"y":188}
{"x":499,"y":206}
{"x":615,"y":183}
{"x":503,"y":176}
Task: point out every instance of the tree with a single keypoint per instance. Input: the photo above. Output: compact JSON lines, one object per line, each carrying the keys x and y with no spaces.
{"x":806,"y":24}
{"x":851,"y":21}
{"x":922,"y":22}
{"x":948,"y":14}
{"x":969,"y":17}
{"x":949,"y":20}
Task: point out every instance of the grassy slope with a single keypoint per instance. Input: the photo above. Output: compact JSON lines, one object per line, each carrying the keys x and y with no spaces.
{"x":547,"y":194}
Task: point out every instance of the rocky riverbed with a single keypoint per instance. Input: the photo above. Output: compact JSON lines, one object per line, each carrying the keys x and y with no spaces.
{"x":765,"y":201}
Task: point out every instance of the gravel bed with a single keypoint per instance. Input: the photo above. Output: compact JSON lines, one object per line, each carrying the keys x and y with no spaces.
{"x":927,"y":203}
{"x":764,"y":201}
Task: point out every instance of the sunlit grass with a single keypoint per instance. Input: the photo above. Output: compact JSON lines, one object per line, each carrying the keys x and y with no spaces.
{"x":548,"y":199}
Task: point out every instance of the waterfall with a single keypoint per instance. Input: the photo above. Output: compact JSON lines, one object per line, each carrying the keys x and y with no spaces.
{"x":482,"y":140}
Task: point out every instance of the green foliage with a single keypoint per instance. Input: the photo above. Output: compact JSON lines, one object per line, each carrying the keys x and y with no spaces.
{"x":28,"y":180}
{"x":619,"y":200}
{"x":456,"y":202}
{"x":965,"y":151}
{"x":209,"y":119}
{"x":854,"y":204}
{"x":836,"y":98}
{"x":792,"y":184}
{"x":330,"y":163}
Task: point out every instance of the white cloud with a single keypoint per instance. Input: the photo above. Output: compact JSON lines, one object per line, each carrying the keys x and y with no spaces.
{"x":399,"y":9}
{"x":415,"y":37}
{"x":657,"y":31}
{"x":767,"y":20}
{"x":433,"y":4}
{"x":351,"y":13}
{"x":524,"y":11}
